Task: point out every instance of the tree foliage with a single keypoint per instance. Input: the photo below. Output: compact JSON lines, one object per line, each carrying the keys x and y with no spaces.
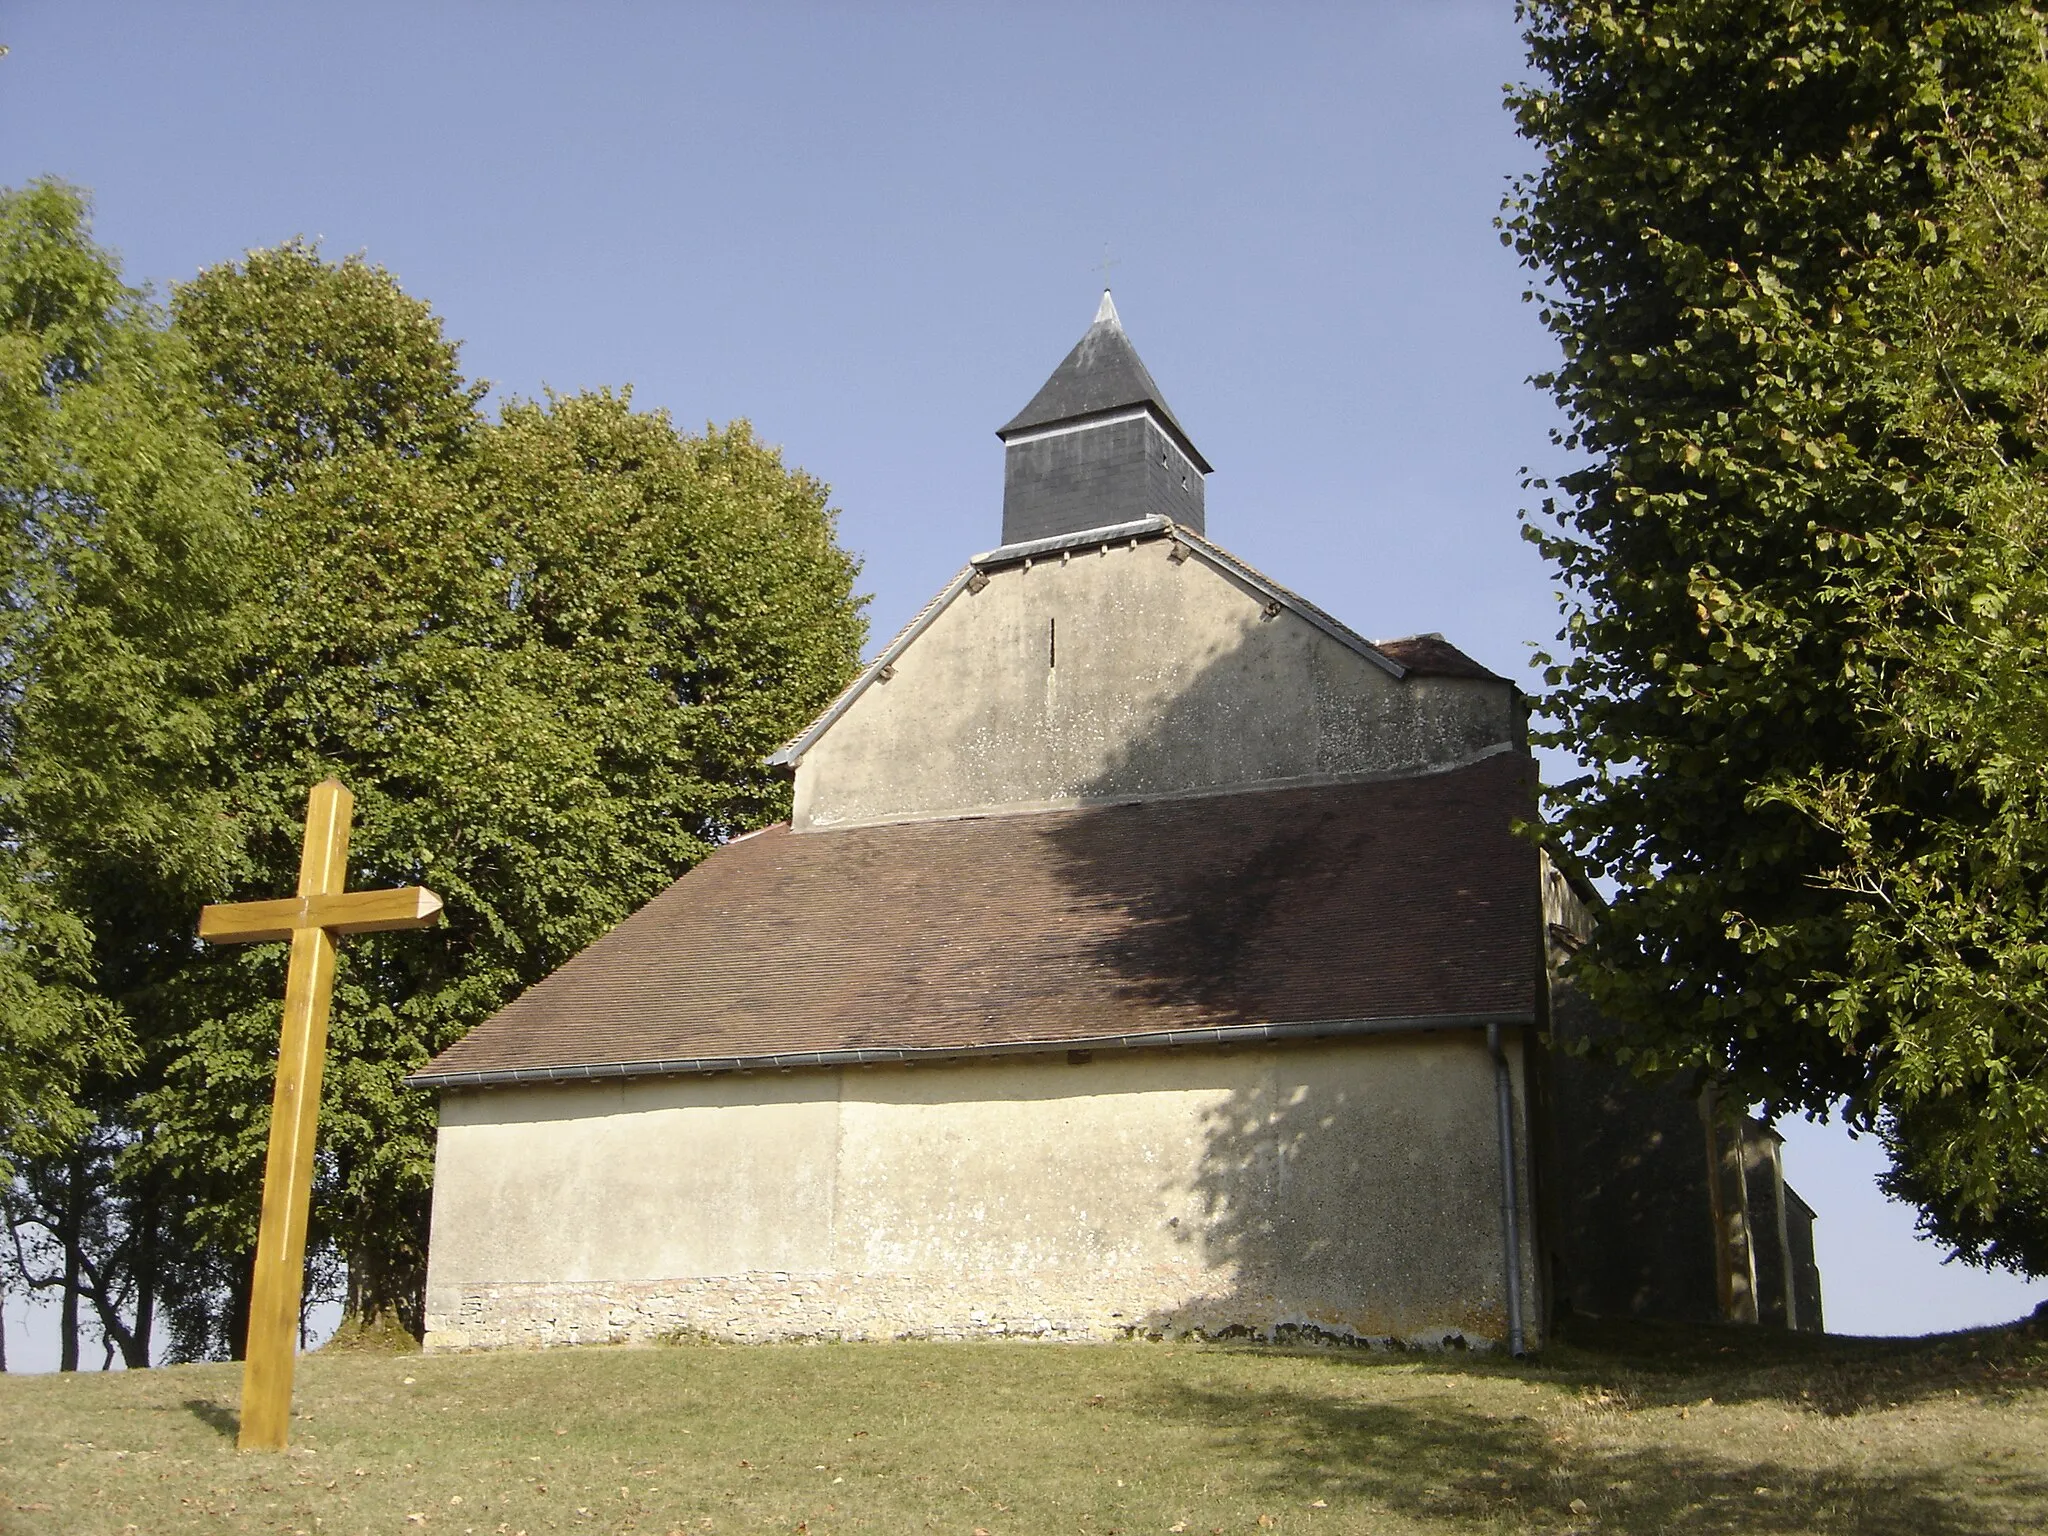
{"x":122,"y":553}
{"x":548,"y":654}
{"x":121,"y":567}
{"x":1797,"y":259}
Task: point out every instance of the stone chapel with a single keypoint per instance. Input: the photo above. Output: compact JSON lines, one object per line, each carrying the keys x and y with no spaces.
{"x":1147,"y":953}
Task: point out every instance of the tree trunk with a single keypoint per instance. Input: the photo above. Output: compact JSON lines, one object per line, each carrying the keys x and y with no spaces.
{"x":238,"y":1307}
{"x":72,"y":1237}
{"x":382,"y":1296}
{"x":135,"y":1349}
{"x":387,"y":1282}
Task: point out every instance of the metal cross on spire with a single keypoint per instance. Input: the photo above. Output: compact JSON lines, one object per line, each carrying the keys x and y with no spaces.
{"x":1105,"y":264}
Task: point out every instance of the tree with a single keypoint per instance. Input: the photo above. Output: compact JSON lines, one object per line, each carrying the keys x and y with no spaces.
{"x":1949,"y":944}
{"x":548,"y":655}
{"x":1795,"y":258}
{"x":274,"y":540}
{"x":121,"y":563}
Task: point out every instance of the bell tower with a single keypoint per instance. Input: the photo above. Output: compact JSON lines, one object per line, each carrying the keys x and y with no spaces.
{"x":1097,"y":446}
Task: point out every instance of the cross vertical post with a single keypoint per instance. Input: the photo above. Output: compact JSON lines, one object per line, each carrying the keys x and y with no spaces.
{"x":280,"y":1273}
{"x":311,"y":921}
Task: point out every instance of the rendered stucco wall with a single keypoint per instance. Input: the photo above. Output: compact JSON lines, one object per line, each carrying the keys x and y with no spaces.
{"x":1119,"y":673}
{"x":1349,"y":1187}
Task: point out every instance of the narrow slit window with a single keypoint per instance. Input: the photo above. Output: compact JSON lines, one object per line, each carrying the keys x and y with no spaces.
{"x":1052,"y":643}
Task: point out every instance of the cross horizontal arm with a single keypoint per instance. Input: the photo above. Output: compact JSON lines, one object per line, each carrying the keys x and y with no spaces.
{"x":253,"y":922}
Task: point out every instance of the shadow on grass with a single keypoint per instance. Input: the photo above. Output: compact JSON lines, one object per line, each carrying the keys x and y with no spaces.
{"x":1640,"y":1364}
{"x":1441,"y":1461}
{"x":223,"y":1421}
{"x":1650,"y":1365}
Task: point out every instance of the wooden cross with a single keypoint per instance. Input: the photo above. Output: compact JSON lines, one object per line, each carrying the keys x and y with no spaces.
{"x":311,"y":920}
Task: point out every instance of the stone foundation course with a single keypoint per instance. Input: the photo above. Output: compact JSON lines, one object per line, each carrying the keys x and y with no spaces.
{"x":782,"y":1307}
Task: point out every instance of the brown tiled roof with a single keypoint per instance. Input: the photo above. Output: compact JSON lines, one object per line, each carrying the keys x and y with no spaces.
{"x":1389,"y":900}
{"x":1433,"y":656}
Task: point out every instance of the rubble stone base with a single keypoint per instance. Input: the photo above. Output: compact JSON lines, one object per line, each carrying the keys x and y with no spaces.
{"x":778,"y":1306}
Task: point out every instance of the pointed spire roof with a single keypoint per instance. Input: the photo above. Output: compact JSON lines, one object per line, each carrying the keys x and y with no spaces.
{"x":1103,"y":373}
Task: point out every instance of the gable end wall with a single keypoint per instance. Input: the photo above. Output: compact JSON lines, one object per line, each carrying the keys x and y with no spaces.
{"x":1119,"y":673}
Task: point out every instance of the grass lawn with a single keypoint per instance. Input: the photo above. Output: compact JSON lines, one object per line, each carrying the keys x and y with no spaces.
{"x":1621,"y":1430}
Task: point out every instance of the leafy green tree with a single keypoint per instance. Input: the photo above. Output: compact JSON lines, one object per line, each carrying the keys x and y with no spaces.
{"x":1795,"y":258}
{"x":1949,"y":945}
{"x":547,"y":654}
{"x":276,"y":540}
{"x":121,"y":559}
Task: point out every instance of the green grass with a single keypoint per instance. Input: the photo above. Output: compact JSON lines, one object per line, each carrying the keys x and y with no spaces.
{"x":1622,"y":1430}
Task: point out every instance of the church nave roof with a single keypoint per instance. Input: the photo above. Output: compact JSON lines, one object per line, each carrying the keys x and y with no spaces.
{"x":1259,"y":914}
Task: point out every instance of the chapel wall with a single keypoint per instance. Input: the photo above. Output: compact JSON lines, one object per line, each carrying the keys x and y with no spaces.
{"x":1347,"y":1188}
{"x":1120,"y":673}
{"x":1627,"y":1159}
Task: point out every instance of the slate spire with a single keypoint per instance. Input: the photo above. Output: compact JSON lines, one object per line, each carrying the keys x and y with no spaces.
{"x":1098,"y":445}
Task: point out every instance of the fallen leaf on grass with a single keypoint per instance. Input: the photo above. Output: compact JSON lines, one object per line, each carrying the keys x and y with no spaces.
{"x":1578,"y":1506}
{"x":1319,"y":1504}
{"x":39,"y":1508}
{"x":1266,"y":1522}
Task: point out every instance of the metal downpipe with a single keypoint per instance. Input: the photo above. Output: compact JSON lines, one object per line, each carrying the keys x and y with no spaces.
{"x":1510,"y":1206}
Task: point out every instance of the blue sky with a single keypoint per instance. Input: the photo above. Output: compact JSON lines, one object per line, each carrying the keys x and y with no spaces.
{"x":873,"y":230}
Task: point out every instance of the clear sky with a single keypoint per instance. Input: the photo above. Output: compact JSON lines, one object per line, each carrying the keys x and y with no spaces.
{"x":873,"y":230}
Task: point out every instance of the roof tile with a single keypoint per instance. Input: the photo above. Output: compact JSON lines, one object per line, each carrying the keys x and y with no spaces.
{"x":1388,"y":899}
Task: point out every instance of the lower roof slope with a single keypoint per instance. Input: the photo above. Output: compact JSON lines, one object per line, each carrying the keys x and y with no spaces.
{"x":1433,"y":656}
{"x":1396,"y":899}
